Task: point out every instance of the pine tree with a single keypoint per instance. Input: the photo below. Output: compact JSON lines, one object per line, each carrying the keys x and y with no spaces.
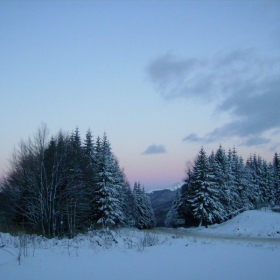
{"x":143,"y":211}
{"x":204,"y":199}
{"x":253,"y":180}
{"x":88,"y":166}
{"x":187,"y":192}
{"x":108,"y":191}
{"x":236,"y":168}
{"x":242,"y":182}
{"x":233,"y":199}
{"x":267,"y":187}
{"x":76,"y":204}
{"x":88,"y":156}
{"x":174,"y":214}
{"x":276,"y":167}
{"x":220,"y":172}
{"x":128,"y":204}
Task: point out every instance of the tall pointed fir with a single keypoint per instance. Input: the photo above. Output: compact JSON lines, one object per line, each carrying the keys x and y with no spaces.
{"x":88,"y":157}
{"x":76,"y":199}
{"x":220,"y":175}
{"x":88,"y":175}
{"x":143,"y":211}
{"x":204,"y":199}
{"x":233,"y":198}
{"x":276,"y":167}
{"x":255,"y":179}
{"x":242,"y":181}
{"x":267,"y":189}
{"x":187,"y":192}
{"x":174,"y":215}
{"x":127,"y":201}
{"x":108,"y":191}
{"x":253,"y":188}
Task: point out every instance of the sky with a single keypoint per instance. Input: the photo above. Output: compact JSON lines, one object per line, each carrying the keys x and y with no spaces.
{"x":161,"y":78}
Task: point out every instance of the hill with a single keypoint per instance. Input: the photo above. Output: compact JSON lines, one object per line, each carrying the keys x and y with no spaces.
{"x":162,"y":200}
{"x":252,"y":223}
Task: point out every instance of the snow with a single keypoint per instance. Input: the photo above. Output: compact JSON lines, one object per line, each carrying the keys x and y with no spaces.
{"x":264,"y":223}
{"x":176,"y":253}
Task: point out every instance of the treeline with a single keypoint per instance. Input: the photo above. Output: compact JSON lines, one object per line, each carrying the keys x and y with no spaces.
{"x":64,"y":185}
{"x":221,"y":185}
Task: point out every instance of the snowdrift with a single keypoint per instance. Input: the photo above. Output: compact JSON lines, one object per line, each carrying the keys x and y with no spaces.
{"x":253,"y":223}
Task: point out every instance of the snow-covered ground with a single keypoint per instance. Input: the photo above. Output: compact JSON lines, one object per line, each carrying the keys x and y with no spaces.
{"x":263,"y":223}
{"x":133,"y":254}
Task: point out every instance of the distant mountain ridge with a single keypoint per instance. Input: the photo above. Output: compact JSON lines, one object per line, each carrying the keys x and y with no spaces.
{"x":162,"y":200}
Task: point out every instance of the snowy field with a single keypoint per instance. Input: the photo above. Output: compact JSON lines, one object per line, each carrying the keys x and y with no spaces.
{"x":246,"y":247}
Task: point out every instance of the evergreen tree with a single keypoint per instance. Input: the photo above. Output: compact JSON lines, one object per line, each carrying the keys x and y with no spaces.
{"x":88,"y":176}
{"x":108,"y":189}
{"x":233,"y":199}
{"x":267,"y":187}
{"x":253,"y":180}
{"x":143,"y":211}
{"x":276,"y":167}
{"x":220,"y":168}
{"x":128,"y":201}
{"x":187,"y":191}
{"x":204,"y":199}
{"x":88,"y":157}
{"x":76,"y":204}
{"x":242,"y":181}
{"x":174,"y":213}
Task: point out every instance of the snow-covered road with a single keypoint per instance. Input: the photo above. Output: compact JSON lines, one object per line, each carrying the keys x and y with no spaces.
{"x":204,"y":235}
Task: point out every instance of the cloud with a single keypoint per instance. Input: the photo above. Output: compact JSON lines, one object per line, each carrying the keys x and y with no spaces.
{"x":257,"y":113}
{"x":176,"y":77}
{"x":240,"y":83}
{"x":256,"y":141}
{"x":154,"y":149}
{"x":192,"y":138}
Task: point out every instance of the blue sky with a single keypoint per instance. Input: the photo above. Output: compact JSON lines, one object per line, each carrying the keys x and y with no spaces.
{"x":161,"y":78}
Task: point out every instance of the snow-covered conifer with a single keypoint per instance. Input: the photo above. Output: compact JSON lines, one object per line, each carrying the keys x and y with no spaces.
{"x":143,"y":211}
{"x":174,"y":214}
{"x":204,"y":199}
{"x":108,"y":189}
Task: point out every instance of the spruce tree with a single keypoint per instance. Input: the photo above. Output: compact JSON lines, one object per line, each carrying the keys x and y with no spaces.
{"x":143,"y":211}
{"x":276,"y":167}
{"x":108,"y":192}
{"x":174,"y":214}
{"x":204,"y":199}
{"x":76,"y":204}
{"x":233,"y":199}
{"x":253,"y":181}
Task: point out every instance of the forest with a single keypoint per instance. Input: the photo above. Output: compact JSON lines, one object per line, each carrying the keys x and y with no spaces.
{"x":63,"y":185}
{"x":220,"y":186}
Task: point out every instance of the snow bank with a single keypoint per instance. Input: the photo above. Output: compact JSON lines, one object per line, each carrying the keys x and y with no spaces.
{"x":253,"y":223}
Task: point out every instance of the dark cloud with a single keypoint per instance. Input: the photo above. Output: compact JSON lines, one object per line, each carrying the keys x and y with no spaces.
{"x":243,"y":84}
{"x":175,"y":77}
{"x":257,"y":113}
{"x":154,"y":149}
{"x":236,"y":58}
{"x":192,"y":138}
{"x":256,"y":141}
